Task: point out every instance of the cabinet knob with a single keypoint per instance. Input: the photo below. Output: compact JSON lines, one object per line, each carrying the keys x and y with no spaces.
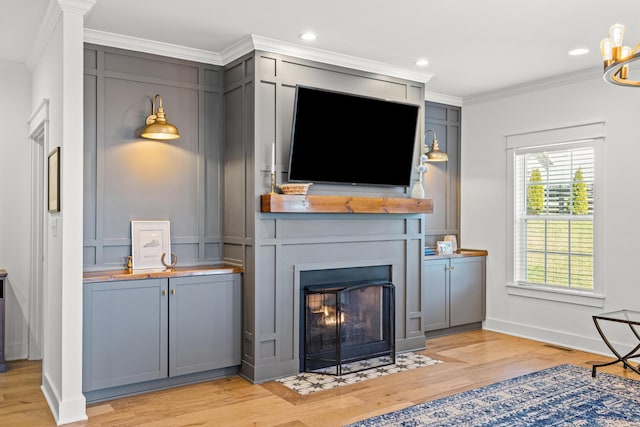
{"x":173,"y":291}
{"x":164,"y":293}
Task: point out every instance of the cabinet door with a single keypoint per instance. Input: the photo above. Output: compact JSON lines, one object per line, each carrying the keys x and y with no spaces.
{"x":204,"y":325}
{"x":124,"y":333}
{"x":437,"y":294}
{"x":467,"y":290}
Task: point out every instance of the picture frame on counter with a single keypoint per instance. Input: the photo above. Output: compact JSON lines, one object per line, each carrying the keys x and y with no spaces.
{"x":149,"y":241}
{"x":445,"y":248}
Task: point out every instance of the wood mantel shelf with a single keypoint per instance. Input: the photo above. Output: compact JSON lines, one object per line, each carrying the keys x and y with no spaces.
{"x":287,"y":203}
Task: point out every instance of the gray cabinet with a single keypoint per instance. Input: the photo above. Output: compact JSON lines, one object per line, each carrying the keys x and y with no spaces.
{"x":153,"y":329}
{"x":454,"y":293}
{"x":436,"y":294}
{"x":125,"y":336}
{"x":204,"y":326}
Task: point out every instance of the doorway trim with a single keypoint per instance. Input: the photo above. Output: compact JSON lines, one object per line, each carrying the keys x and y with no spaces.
{"x":39,"y":142}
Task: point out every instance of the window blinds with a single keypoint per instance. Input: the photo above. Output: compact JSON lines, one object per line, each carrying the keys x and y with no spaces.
{"x":553,"y":218}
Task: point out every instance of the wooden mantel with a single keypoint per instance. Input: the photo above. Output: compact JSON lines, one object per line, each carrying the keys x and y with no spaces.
{"x":286,"y":203}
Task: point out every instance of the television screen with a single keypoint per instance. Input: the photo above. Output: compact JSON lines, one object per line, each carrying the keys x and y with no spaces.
{"x":349,"y":139}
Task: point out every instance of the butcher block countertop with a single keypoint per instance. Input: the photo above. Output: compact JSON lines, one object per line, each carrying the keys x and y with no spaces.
{"x":116,"y":275}
{"x":460,"y":253}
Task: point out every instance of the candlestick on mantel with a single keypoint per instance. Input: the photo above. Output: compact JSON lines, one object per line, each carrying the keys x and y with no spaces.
{"x":273,"y":157}
{"x":273,"y":183}
{"x":273,"y":168}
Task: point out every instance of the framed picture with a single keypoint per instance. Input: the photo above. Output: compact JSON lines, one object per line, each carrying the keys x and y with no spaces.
{"x":149,"y":240}
{"x":444,"y":247}
{"x":53,"y":186}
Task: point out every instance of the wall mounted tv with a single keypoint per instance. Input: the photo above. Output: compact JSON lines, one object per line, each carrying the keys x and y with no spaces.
{"x":349,"y":139}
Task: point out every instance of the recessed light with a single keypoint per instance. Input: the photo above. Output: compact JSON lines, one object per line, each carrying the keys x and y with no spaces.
{"x":422,"y":62}
{"x":308,"y":36}
{"x":579,"y":51}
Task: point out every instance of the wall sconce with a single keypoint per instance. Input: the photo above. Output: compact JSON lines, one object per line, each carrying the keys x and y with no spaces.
{"x":157,"y":126}
{"x":433,"y":152}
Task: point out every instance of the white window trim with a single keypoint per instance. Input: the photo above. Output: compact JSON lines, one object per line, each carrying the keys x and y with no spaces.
{"x":594,"y":132}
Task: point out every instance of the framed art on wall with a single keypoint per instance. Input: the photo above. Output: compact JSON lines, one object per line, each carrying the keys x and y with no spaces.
{"x":149,"y":241}
{"x":53,"y":182}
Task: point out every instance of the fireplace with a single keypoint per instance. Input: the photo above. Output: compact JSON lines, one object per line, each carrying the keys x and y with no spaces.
{"x":347,"y":325}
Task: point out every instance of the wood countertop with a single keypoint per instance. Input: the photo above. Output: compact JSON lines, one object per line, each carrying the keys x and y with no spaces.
{"x":460,"y":253}
{"x":3,"y":272}
{"x":289,"y":203}
{"x":116,"y":275}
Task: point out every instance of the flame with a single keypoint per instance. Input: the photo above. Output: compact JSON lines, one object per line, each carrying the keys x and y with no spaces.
{"x":331,"y":319}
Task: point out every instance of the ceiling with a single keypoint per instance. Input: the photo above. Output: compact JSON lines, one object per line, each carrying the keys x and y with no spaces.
{"x":472,"y":46}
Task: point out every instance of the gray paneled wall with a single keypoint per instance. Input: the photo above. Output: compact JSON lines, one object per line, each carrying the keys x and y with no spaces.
{"x":130,"y":178}
{"x":239,"y":204}
{"x":259,"y":96}
{"x":442,"y":181}
{"x":208,"y":183}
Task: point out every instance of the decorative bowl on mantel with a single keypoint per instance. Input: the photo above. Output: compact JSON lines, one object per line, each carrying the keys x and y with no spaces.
{"x":295,"y":188}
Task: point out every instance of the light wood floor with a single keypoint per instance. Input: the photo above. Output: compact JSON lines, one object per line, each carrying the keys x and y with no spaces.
{"x":472,"y":359}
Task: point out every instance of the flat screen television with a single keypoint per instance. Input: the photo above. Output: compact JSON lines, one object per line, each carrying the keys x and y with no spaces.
{"x":350,"y":139}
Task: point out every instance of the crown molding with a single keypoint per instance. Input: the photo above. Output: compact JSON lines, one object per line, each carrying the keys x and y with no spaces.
{"x":237,"y":50}
{"x":151,"y":46}
{"x":333,"y":58}
{"x":48,"y":25}
{"x":442,"y":98}
{"x":246,"y":45}
{"x":45,"y":31}
{"x":591,"y":73}
{"x":76,"y":6}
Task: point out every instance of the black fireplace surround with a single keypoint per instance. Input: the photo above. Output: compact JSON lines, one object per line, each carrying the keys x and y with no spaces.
{"x":347,"y":325}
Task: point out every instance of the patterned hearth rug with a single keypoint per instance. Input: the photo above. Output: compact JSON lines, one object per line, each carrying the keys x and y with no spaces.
{"x":565,"y":395}
{"x":307,"y":382}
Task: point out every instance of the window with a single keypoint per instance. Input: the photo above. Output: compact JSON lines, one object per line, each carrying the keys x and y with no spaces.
{"x":553,"y":228}
{"x":554,"y":216}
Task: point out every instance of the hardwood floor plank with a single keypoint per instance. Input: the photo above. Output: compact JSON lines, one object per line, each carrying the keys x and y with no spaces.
{"x":471,"y":360}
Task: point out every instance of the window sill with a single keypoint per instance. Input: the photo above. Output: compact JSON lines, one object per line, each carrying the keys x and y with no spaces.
{"x":560,"y":295}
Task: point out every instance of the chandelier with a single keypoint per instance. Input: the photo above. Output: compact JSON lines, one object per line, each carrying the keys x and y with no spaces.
{"x":617,"y":57}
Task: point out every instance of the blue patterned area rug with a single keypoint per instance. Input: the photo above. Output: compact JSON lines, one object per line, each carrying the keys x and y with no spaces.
{"x":565,"y":395}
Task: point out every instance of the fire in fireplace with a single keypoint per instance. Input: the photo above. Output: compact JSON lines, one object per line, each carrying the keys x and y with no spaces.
{"x":348,"y":326}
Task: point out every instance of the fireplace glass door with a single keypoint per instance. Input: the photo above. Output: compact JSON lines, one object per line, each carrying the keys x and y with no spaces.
{"x":348,"y":327}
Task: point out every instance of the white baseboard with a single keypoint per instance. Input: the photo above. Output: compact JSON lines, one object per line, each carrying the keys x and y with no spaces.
{"x":67,"y":411}
{"x":559,"y":338}
{"x":50,"y":395}
{"x":16,"y":351}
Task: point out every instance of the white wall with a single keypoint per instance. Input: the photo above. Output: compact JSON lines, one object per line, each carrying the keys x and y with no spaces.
{"x":484,"y":202}
{"x":58,"y":76}
{"x":15,"y":108}
{"x":47,"y":83}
